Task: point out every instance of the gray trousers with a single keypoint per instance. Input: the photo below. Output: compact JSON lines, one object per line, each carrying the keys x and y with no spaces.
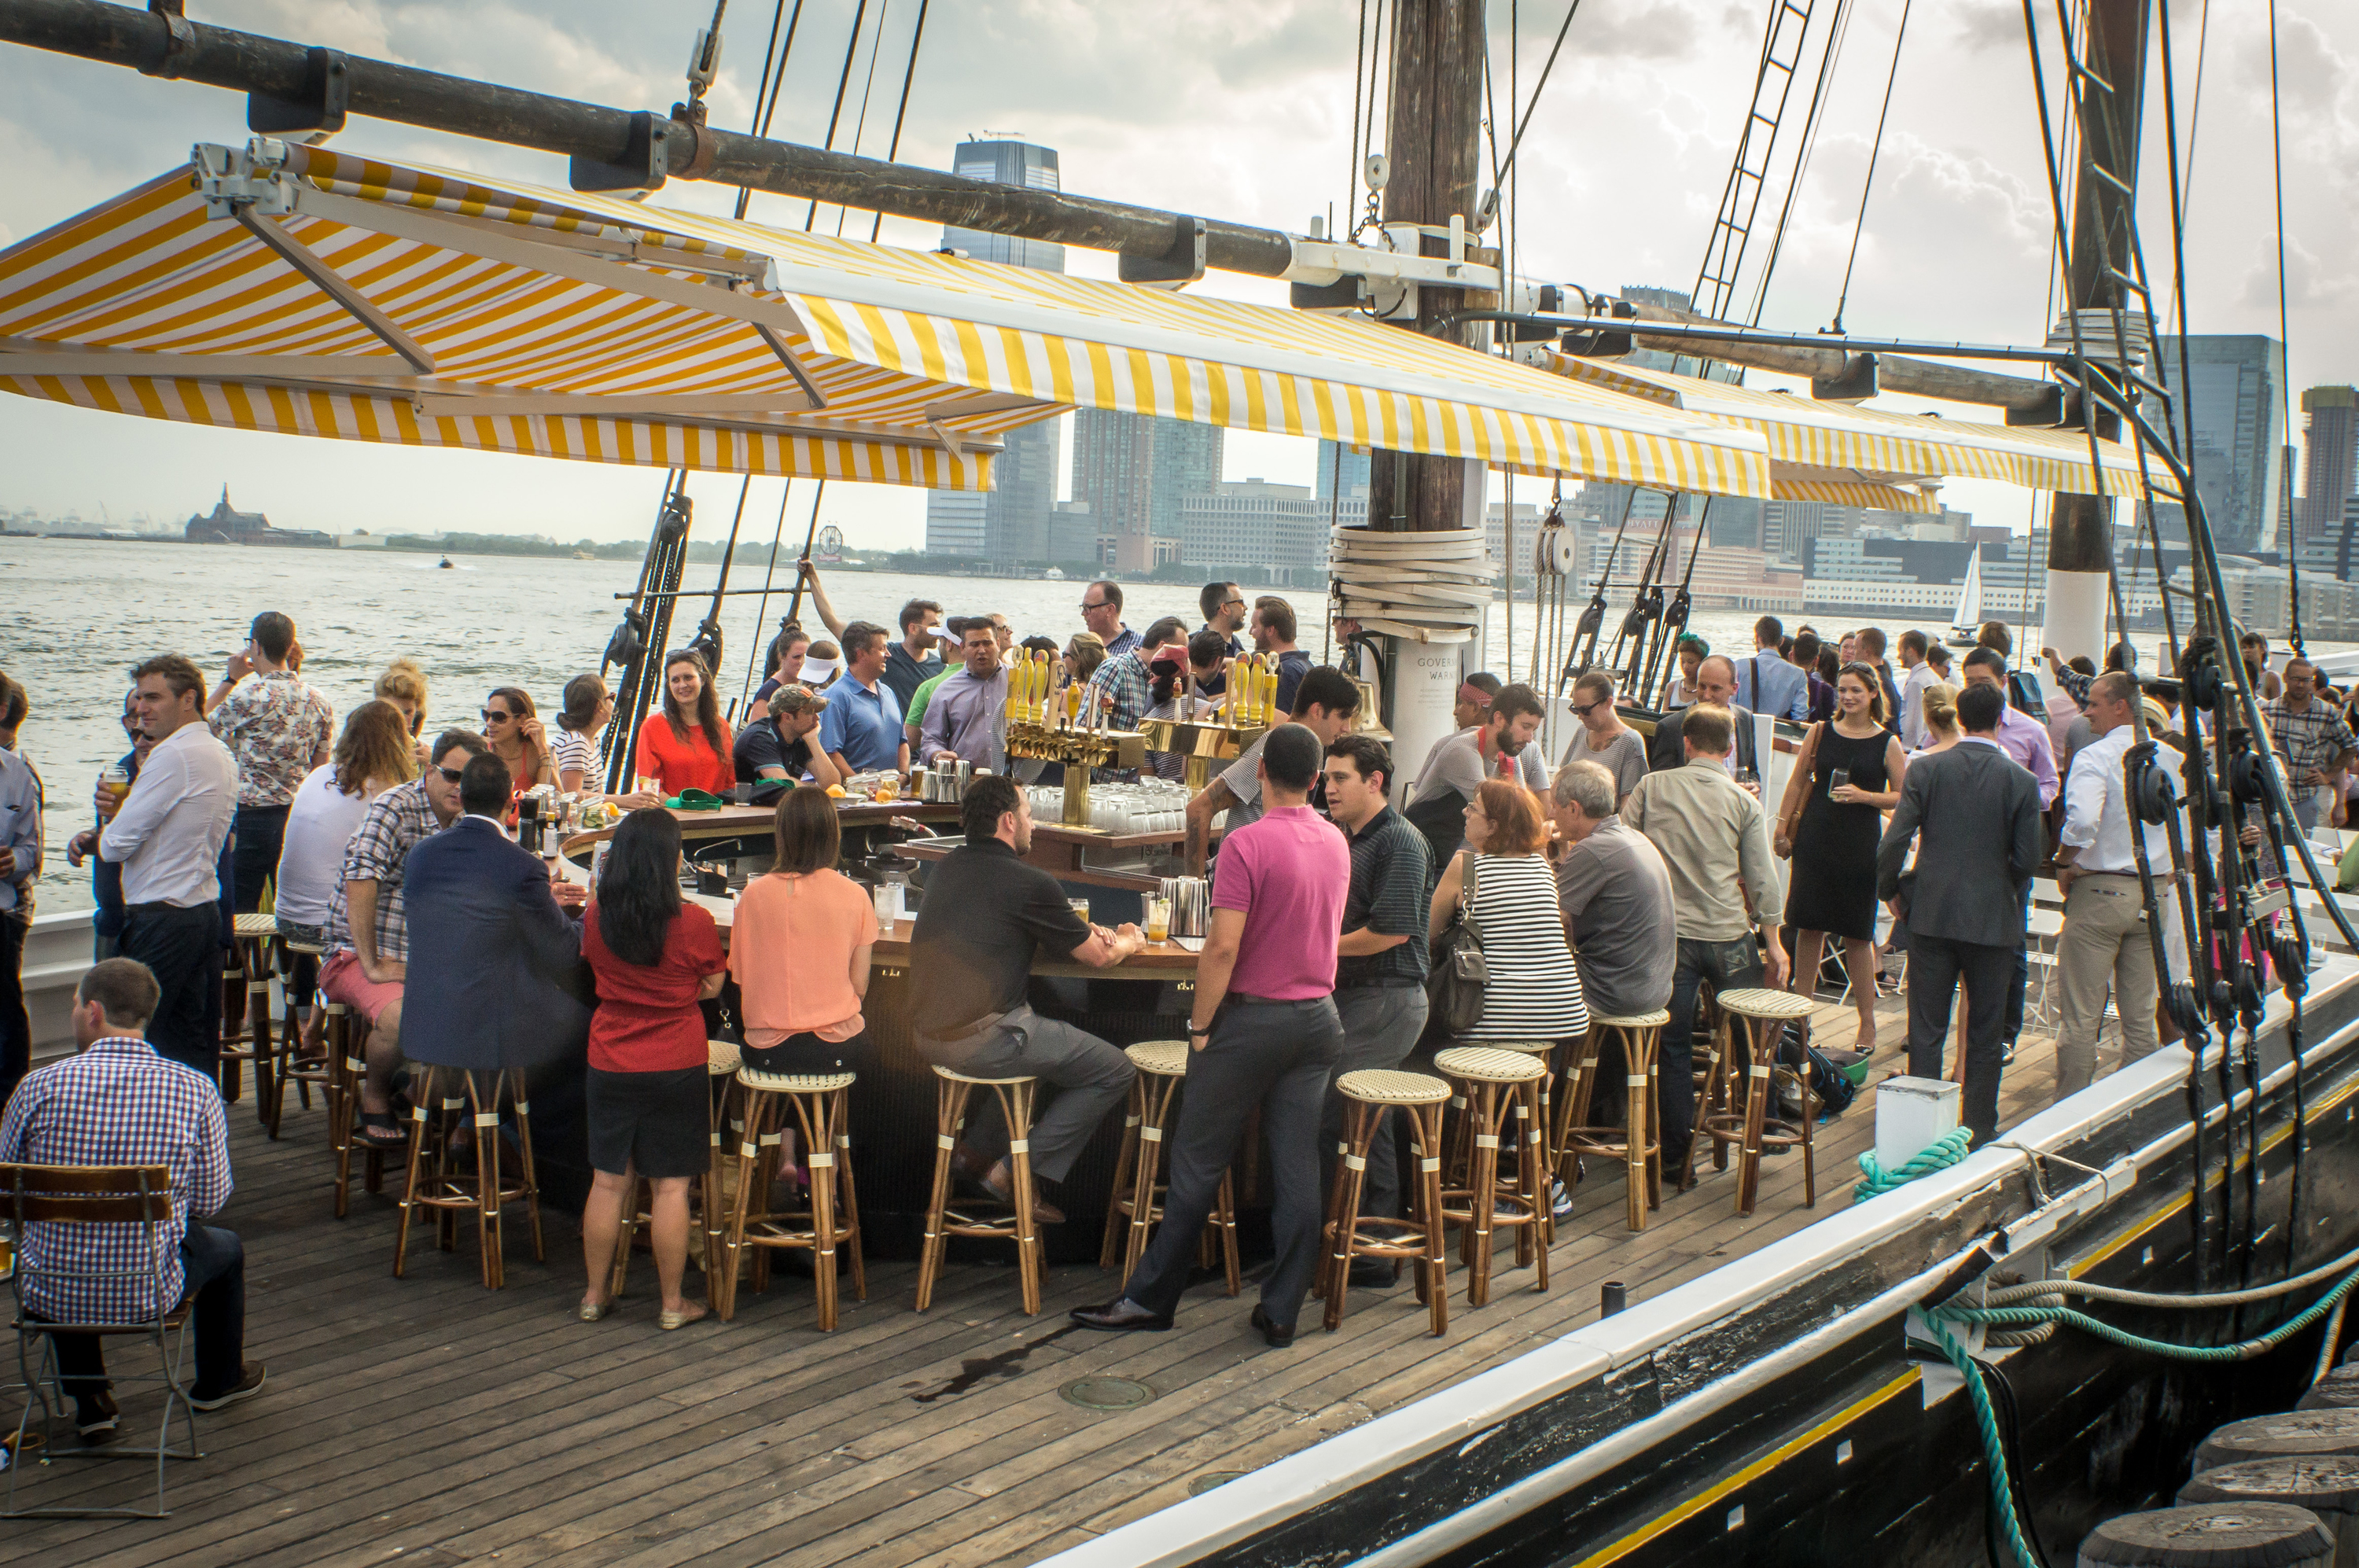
{"x":1277,"y":1055}
{"x":1091,"y":1077}
{"x":2104,"y":943}
{"x":1381,"y":1025}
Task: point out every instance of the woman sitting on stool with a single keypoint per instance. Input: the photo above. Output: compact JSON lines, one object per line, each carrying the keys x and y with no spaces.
{"x":655,"y":958}
{"x":799,"y":948}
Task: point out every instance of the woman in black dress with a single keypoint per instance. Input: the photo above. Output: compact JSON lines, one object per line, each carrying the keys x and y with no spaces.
{"x":1846,"y":778}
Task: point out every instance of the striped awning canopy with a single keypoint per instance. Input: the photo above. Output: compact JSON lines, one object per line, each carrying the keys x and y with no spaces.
{"x":1835,"y":452}
{"x":317,"y":292}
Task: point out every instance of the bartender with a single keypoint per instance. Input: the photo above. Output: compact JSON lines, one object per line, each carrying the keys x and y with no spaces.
{"x":966,"y":718}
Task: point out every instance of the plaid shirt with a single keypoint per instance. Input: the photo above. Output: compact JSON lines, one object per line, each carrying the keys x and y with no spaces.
{"x":117,"y":1103}
{"x":396,"y":821}
{"x":279,"y":728}
{"x":2313,"y":737}
{"x":1126,"y":681}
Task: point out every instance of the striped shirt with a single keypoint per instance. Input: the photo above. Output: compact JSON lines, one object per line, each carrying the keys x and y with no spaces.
{"x":1534,"y":992}
{"x":117,"y":1103}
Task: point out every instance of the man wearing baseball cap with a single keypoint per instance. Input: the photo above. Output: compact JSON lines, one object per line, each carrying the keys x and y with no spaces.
{"x":781,"y":746}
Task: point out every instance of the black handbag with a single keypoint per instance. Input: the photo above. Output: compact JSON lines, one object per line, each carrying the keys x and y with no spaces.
{"x":1454,"y":984}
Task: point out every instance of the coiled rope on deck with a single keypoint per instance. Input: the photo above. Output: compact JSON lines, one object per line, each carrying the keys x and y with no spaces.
{"x":1939,"y":1155}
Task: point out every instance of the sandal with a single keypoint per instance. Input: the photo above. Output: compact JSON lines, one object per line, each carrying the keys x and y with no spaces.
{"x":668,"y":1320}
{"x":590,"y":1312}
{"x":378,"y":1129}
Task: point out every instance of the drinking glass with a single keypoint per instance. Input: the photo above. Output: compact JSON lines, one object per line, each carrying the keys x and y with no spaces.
{"x":889,"y":786}
{"x":1159,"y":920}
{"x":1836,"y":778}
{"x":1082,"y":907}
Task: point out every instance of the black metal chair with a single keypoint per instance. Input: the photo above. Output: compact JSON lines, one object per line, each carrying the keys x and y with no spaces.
{"x":96,"y":1195}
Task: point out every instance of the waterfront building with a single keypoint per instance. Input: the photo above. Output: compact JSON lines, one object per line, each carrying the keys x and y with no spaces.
{"x":1259,"y":533}
{"x":2329,"y":477}
{"x":1011,"y":524}
{"x":1134,"y":473}
{"x":2232,"y":408}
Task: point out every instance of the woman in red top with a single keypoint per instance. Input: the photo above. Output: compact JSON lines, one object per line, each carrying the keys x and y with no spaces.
{"x":686,"y":745}
{"x":655,"y":959}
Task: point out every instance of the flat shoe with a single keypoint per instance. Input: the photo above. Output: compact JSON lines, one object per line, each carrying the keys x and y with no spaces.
{"x":590,"y":1312}
{"x":1124,"y":1316}
{"x":668,"y":1321}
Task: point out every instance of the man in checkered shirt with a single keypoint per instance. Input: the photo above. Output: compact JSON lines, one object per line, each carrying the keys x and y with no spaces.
{"x":1124,"y":688}
{"x":2314,"y":743}
{"x":118,"y":1103}
{"x":368,"y":924}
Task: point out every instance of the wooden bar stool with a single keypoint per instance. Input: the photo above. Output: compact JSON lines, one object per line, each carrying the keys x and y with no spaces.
{"x":1498,"y":1086}
{"x":1542,"y":1129}
{"x":1638,"y":1142}
{"x":303,"y":966}
{"x":348,"y":1033}
{"x":944,"y":1219}
{"x":246,"y":1034}
{"x":709,"y":1213}
{"x":1712,"y":1080}
{"x":453,"y":1188}
{"x":821,"y":1105}
{"x":1162,"y":1065}
{"x":1753,"y":1024}
{"x":1349,"y":1233}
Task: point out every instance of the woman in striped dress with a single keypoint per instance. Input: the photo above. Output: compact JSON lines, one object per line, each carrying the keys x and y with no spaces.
{"x":1533,"y":991}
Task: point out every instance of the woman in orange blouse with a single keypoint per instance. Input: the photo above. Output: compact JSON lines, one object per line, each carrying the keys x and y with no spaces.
{"x":686,"y":745}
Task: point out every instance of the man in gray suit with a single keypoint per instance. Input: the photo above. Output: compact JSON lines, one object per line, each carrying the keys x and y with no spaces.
{"x":1964,"y":913}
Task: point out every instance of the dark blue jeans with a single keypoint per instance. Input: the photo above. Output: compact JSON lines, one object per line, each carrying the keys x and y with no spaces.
{"x":215,"y":1261}
{"x":1729,"y":966}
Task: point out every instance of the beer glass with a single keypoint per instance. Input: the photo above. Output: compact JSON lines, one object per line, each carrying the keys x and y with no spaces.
{"x":1159,"y":920}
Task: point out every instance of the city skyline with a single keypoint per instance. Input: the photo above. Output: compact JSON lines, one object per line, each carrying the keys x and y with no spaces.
{"x":1237,"y":110}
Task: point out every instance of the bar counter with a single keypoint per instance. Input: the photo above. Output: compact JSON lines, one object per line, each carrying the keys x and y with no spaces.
{"x":893,"y":1114}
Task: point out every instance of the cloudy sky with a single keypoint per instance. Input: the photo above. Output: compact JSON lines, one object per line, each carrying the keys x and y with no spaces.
{"x":1241,"y":108}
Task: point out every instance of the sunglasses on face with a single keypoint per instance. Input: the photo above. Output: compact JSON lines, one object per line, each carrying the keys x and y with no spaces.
{"x":449,"y":775}
{"x":1582,"y":712}
{"x":497,"y":717}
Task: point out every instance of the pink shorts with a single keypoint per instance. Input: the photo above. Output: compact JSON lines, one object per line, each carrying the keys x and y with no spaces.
{"x":344,"y":980}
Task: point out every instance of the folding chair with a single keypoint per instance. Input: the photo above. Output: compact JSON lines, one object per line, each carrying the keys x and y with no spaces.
{"x":110,"y":1195}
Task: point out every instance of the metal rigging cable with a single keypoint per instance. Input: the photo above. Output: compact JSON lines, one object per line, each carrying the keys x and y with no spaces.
{"x":1838,"y":32}
{"x":1859,"y":224}
{"x":2285,"y":341}
{"x":774,"y":76}
{"x":843,"y":82}
{"x":1539,"y":87}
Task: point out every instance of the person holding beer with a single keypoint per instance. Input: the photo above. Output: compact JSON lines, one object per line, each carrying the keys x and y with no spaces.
{"x":20,"y":862}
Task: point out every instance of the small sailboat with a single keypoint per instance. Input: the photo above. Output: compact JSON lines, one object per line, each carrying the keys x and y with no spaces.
{"x":1966,"y":622}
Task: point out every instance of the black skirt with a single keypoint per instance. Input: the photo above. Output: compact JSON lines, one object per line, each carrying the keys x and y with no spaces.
{"x":653,"y":1124}
{"x":805,"y":1054}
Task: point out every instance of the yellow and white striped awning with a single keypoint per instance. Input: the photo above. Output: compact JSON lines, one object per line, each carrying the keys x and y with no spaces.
{"x":322,"y":293}
{"x":1834,"y":452}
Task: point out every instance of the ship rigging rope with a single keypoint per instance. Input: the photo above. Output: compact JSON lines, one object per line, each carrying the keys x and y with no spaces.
{"x":1939,"y":1155}
{"x":1859,"y":224}
{"x":1533,"y":103}
{"x":1838,"y":34}
{"x":2285,"y":340}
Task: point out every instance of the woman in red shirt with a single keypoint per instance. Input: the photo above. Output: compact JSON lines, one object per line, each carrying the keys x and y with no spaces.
{"x":686,"y":745}
{"x":655,"y":959}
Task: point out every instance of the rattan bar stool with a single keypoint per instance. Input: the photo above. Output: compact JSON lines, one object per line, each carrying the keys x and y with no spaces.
{"x":1638,"y":1142}
{"x":945,"y":1218}
{"x":822,"y":1106}
{"x":1752,"y":1024}
{"x":1491,"y":1082}
{"x":1349,"y":1233}
{"x":348,"y":1033}
{"x":1713,"y":1082}
{"x":246,"y":1034}
{"x":709,"y":1213}
{"x":1544,"y":1129}
{"x":303,"y":960}
{"x":456,"y":1187}
{"x":1162,"y":1065}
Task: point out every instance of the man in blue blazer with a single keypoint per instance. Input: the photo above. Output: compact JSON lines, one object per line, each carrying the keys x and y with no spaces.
{"x":495,"y":973}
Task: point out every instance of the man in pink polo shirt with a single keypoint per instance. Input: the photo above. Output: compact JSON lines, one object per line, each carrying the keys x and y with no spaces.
{"x":1266,"y":1033}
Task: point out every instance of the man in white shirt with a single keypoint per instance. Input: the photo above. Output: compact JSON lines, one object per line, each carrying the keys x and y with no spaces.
{"x":168,"y":836}
{"x":2105,"y":941}
{"x":1921,"y":674}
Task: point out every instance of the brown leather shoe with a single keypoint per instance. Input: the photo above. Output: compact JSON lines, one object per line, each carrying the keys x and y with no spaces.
{"x":998,"y":1185}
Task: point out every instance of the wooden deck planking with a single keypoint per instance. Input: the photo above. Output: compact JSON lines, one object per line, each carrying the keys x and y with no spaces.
{"x":430,"y":1416}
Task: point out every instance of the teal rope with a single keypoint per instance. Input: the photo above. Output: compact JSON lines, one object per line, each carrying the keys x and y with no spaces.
{"x":1940,"y":1155}
{"x":1986,"y":1421}
{"x":2246,"y":1350}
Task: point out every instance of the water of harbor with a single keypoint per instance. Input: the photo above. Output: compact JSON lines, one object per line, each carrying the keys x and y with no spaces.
{"x":81,"y":612}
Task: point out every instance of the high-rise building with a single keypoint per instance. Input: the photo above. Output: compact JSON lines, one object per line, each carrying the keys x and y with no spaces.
{"x":1341,"y":471}
{"x":1134,"y":473}
{"x":1011,"y":524}
{"x":2330,"y":469}
{"x":2231,"y":410}
{"x":1258,"y":533}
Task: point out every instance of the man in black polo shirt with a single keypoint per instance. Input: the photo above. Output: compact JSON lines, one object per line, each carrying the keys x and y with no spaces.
{"x":1381,"y":959}
{"x":985,"y":915}
{"x":784,"y":747}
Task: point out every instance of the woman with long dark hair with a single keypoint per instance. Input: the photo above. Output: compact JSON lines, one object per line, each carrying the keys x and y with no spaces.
{"x":799,"y":947}
{"x":1847,"y":775}
{"x":684,"y":745}
{"x":789,"y":651}
{"x":655,"y":957}
{"x":513,"y":726}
